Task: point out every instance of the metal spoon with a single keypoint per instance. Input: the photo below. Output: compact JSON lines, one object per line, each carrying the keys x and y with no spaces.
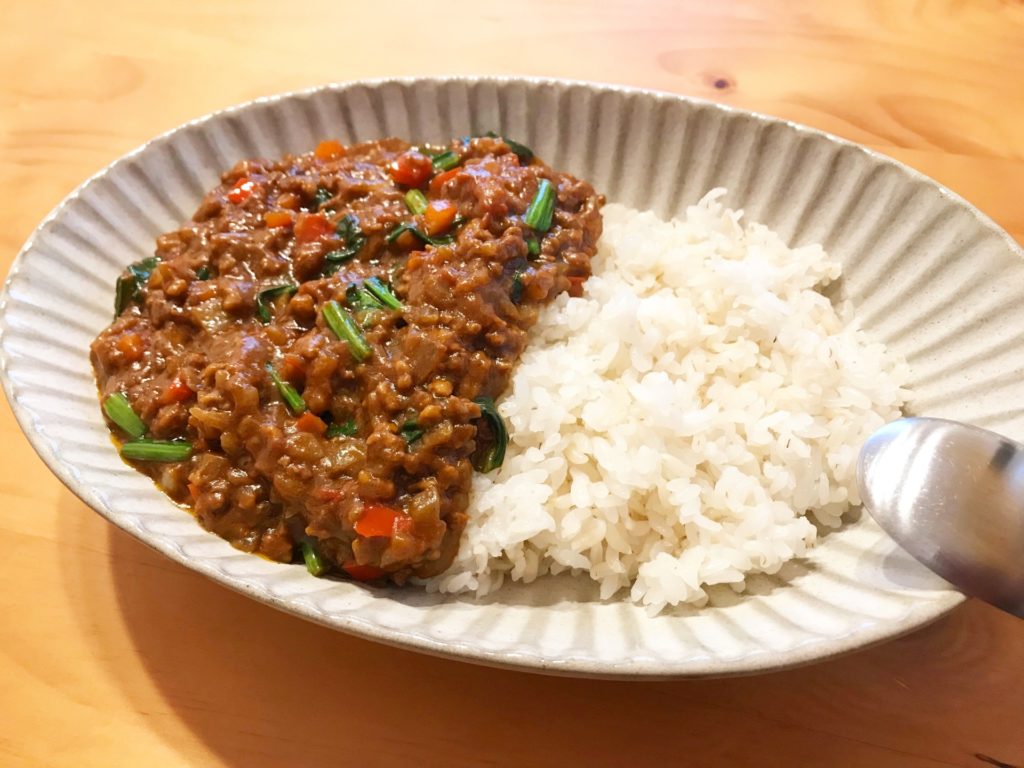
{"x":952,"y":495}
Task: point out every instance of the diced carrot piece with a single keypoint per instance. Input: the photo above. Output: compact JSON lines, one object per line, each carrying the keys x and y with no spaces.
{"x":329,"y":149}
{"x":377,"y":520}
{"x":241,"y":191}
{"x":175,"y":392}
{"x":292,"y":367}
{"x":406,"y":240}
{"x":277,"y":218}
{"x":576,"y":285}
{"x":131,"y":346}
{"x":312,"y":226}
{"x":411,"y":169}
{"x":362,"y":572}
{"x":438,"y":217}
{"x":439,"y":181}
{"x":327,"y":494}
{"x":289,"y":200}
{"x":310,"y":422}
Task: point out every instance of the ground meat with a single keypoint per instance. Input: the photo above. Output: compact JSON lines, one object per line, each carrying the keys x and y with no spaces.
{"x":374,"y":476}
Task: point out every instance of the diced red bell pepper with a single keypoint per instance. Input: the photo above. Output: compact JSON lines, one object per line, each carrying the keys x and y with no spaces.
{"x":241,"y":191}
{"x":312,"y":226}
{"x":362,"y":572}
{"x":175,"y":392}
{"x":411,"y":169}
{"x":377,"y":520}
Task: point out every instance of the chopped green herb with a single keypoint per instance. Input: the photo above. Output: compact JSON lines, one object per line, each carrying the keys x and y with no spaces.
{"x":128,"y":288}
{"x":493,"y":456}
{"x":124,"y":292}
{"x":265,"y":297}
{"x":406,"y":227}
{"x":288,"y":393}
{"x":352,"y":239}
{"x":516,"y":291}
{"x":156,"y":450}
{"x":321,"y":198}
{"x":533,"y":246}
{"x":203,"y":273}
{"x":345,"y":429}
{"x":344,"y":326}
{"x":415,"y":201}
{"x":120,"y":411}
{"x":382,"y":292}
{"x":360,"y":299}
{"x":311,"y":556}
{"x":538,"y":215}
{"x":411,"y":431}
{"x":523,"y":152}
{"x":445,"y":161}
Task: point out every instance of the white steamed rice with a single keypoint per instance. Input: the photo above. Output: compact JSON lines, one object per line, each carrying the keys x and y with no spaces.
{"x":671,"y":429}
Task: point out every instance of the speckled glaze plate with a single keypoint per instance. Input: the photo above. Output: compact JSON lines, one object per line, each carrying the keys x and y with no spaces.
{"x":926,"y":273}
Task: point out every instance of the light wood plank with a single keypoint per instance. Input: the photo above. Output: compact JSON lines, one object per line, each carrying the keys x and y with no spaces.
{"x":111,"y":655}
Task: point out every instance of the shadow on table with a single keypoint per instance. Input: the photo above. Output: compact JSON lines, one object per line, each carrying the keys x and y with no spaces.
{"x":262,"y":688}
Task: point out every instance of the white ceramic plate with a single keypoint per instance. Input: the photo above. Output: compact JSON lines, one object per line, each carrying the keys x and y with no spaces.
{"x":926,"y":272}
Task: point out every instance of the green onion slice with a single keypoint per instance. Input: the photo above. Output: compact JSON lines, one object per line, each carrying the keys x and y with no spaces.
{"x":344,"y":326}
{"x":120,"y":411}
{"x":533,"y":246}
{"x":411,"y":431}
{"x":267,"y":295}
{"x":315,"y":564}
{"x":288,"y":393}
{"x":406,"y":227}
{"x":492,"y":456}
{"x":128,"y":288}
{"x":523,"y":152}
{"x":203,"y":273}
{"x":156,"y":450}
{"x":415,"y":201}
{"x":382,"y":292}
{"x":445,"y":161}
{"x":352,"y":239}
{"x":360,"y":299}
{"x":345,"y":429}
{"x":538,"y":215}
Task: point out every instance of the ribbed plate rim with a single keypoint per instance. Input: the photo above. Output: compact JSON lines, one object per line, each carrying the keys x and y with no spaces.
{"x":924,"y":612}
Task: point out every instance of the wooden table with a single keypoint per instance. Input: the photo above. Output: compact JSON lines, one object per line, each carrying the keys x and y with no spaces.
{"x":111,"y":655}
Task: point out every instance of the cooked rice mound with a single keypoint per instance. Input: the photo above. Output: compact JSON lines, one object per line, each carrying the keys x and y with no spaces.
{"x":674,"y":427}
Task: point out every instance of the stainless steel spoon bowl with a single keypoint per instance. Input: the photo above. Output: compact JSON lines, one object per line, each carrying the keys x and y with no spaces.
{"x":952,"y":495}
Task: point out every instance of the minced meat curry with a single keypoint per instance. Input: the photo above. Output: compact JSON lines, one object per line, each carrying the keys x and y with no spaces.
{"x":310,"y":363}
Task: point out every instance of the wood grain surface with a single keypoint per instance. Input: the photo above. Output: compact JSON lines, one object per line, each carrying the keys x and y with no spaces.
{"x":113,"y":656}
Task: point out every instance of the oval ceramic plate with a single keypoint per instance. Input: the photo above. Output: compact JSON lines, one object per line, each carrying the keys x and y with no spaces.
{"x":925,"y":272}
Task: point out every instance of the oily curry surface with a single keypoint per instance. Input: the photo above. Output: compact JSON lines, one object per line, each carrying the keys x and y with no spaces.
{"x":310,"y":363}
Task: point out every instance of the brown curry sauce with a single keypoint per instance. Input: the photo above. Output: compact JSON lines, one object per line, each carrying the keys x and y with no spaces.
{"x":374,"y":474}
